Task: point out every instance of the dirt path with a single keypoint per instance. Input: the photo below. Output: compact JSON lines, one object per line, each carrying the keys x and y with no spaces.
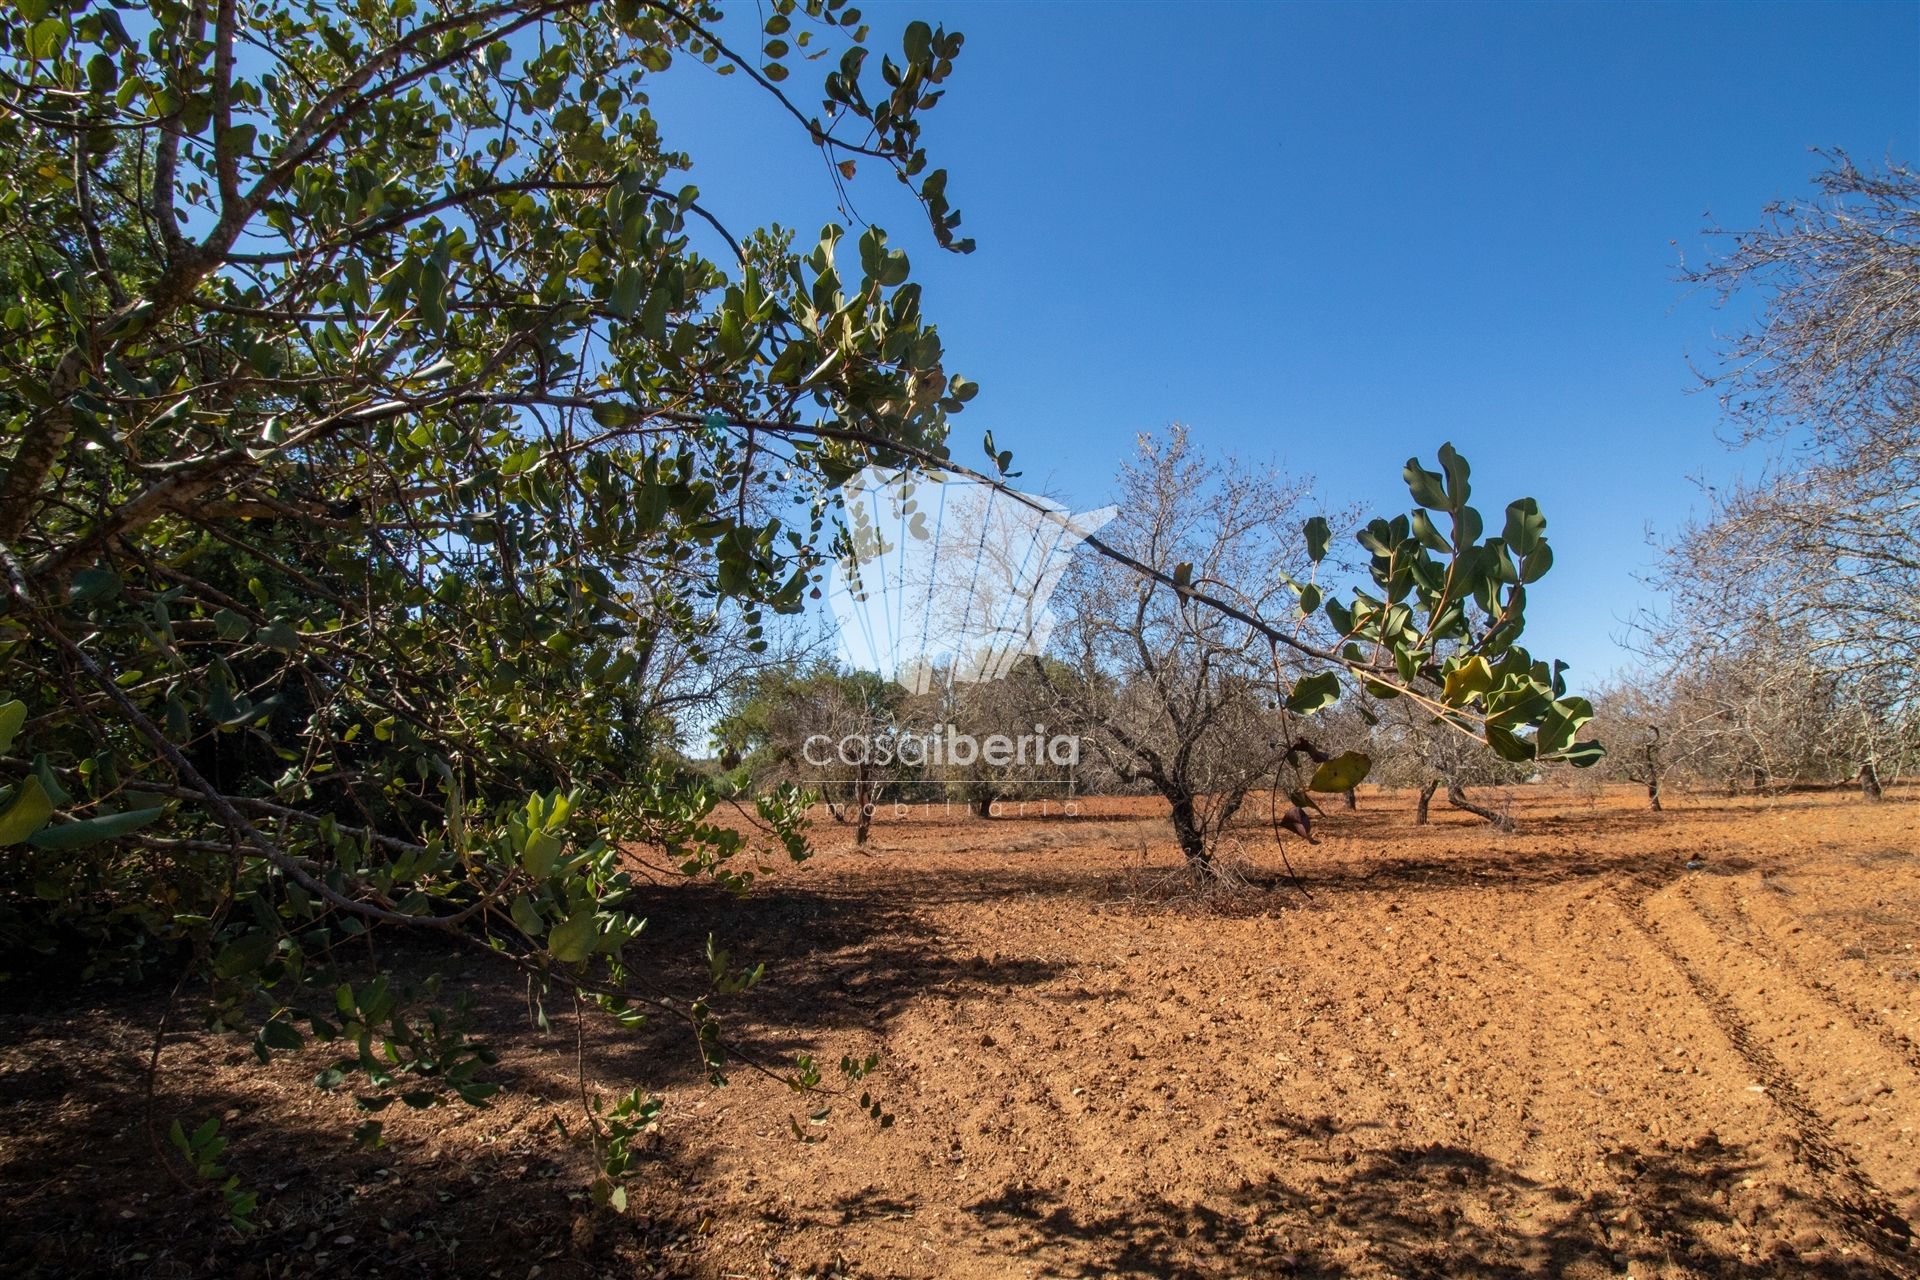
{"x":1563,"y":1052}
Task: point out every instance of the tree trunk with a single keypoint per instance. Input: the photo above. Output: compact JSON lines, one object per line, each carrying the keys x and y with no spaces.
{"x":1352,"y":801}
{"x":1426,"y":798}
{"x":1186,"y":830}
{"x":983,"y":804}
{"x":1870,"y":781}
{"x":1457,"y":797}
{"x":1653,"y":771}
{"x":863,"y":797}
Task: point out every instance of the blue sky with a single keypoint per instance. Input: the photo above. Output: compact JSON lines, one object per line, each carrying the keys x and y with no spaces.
{"x":1339,"y":235}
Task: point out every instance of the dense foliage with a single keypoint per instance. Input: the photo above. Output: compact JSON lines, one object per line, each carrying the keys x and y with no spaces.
{"x":385,"y":433}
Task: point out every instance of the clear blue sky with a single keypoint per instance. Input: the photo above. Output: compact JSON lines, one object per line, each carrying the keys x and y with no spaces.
{"x":1338,"y":235}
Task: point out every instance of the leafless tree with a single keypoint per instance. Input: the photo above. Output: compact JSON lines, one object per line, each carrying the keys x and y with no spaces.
{"x":1755,"y":712}
{"x":1640,"y":726}
{"x":1411,"y":748}
{"x":1819,"y":556}
{"x":1186,"y":700}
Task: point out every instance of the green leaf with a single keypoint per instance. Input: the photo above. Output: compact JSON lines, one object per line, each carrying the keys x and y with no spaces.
{"x":244,"y":954}
{"x":12,"y":716}
{"x":1584,"y":755}
{"x":43,"y":770}
{"x":92,"y":585}
{"x":1471,"y":677}
{"x":1508,"y":745}
{"x":573,"y":938}
{"x":46,"y":38}
{"x":1456,"y":468}
{"x":1427,"y":487}
{"x":1430,"y":537}
{"x":238,"y":141}
{"x":525,"y":917}
{"x":279,"y":635}
{"x":1524,"y":526}
{"x":1313,"y":693}
{"x":27,"y":814}
{"x":108,"y":826}
{"x":1318,"y":536}
{"x":1564,"y":719}
{"x":281,"y":1035}
{"x":1342,"y":773}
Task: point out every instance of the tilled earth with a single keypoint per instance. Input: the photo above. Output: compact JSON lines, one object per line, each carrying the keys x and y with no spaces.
{"x":1680,"y":1044}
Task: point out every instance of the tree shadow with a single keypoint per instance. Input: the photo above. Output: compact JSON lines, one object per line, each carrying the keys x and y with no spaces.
{"x":87,"y":1187}
{"x":837,"y":959}
{"x":1504,"y":869}
{"x":1447,"y":1211}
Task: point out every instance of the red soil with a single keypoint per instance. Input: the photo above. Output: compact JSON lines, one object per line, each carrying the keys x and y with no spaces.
{"x":1681,"y":1045}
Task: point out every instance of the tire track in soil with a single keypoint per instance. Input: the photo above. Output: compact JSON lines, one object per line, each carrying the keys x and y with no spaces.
{"x":1864,"y":1209}
{"x":1805,"y":952}
{"x":1838,"y":1065}
{"x":1659,"y":1194}
{"x":1501,"y":1004}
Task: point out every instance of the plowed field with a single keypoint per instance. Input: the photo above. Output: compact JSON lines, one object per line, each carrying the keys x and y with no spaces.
{"x":1684,"y":1044}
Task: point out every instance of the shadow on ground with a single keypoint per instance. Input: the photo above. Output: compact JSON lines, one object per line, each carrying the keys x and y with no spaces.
{"x":1446,"y":1211}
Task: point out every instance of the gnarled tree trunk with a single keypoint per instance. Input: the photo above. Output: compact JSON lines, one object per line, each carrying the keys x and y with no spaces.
{"x":1188,"y":832}
{"x":1870,"y":781}
{"x":1457,"y":797}
{"x":1426,"y":799}
{"x":864,"y":791}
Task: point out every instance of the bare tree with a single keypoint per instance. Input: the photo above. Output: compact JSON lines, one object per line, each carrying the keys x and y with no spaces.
{"x":1186,"y":700}
{"x":1754,"y":712}
{"x":1413,"y":748}
{"x":1639,"y":724}
{"x":1820,"y":555}
{"x":835,"y":733}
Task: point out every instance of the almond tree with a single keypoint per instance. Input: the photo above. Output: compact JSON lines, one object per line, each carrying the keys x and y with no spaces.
{"x":1820,"y":550}
{"x":1205,"y":639}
